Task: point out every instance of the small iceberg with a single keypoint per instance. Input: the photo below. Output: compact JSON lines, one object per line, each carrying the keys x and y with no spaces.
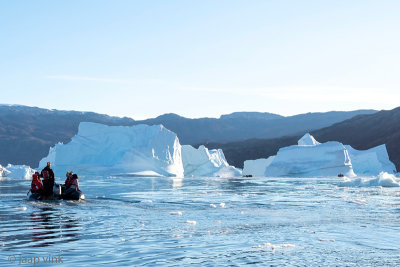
{"x":17,"y":172}
{"x":205,"y":162}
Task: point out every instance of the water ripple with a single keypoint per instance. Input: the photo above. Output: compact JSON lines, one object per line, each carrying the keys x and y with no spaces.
{"x":129,"y":221}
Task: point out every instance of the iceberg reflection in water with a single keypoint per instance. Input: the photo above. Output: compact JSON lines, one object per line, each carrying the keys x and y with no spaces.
{"x":216,"y":221}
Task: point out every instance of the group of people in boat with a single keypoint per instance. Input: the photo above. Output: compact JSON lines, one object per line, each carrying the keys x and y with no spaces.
{"x":45,"y":186}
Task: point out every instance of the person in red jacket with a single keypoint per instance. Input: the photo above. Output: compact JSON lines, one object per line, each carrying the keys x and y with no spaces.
{"x":36,"y":186}
{"x":73,"y":182}
{"x":68,"y":176}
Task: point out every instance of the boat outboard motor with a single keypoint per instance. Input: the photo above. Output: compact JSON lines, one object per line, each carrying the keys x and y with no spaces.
{"x":57,"y":191}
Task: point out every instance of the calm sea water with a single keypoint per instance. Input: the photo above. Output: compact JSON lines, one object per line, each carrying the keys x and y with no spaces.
{"x":132,"y":221}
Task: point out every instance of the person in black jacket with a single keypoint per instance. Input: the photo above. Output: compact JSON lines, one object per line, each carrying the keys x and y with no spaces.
{"x":48,"y":180}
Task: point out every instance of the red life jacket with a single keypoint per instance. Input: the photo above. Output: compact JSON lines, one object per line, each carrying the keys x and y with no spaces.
{"x":69,"y":182}
{"x":36,"y":183}
{"x":45,"y":174}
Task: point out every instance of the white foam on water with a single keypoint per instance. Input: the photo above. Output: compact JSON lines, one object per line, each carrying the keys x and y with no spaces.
{"x":356,"y":201}
{"x":191,"y":222}
{"x":177,"y":235}
{"x":384,"y":179}
{"x":222,"y":205}
{"x":213,"y":206}
{"x":273,"y":247}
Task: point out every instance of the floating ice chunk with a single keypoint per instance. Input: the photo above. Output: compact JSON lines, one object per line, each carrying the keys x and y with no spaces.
{"x":191,"y":222}
{"x":288,"y":245}
{"x":177,"y":235}
{"x":20,"y":208}
{"x":383,"y":179}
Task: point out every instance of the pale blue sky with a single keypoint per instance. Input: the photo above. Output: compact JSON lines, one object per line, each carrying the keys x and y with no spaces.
{"x":200,"y":58}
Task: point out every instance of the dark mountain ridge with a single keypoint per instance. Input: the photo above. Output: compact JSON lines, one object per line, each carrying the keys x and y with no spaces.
{"x":361,"y":132}
{"x":366,"y":131}
{"x":248,"y":125}
{"x":27,"y":133}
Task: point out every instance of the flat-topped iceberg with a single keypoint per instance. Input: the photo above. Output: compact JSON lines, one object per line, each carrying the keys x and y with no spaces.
{"x":327,"y":159}
{"x":101,"y":149}
{"x":139,"y":150}
{"x":204,"y":162}
{"x":312,"y":159}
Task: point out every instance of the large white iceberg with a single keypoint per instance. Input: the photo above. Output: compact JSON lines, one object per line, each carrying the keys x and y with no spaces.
{"x":139,"y":150}
{"x":101,"y":149}
{"x":204,"y":162}
{"x":327,"y":159}
{"x":312,"y":159}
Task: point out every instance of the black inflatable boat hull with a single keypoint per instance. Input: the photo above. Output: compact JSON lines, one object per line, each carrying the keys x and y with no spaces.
{"x":57,"y":194}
